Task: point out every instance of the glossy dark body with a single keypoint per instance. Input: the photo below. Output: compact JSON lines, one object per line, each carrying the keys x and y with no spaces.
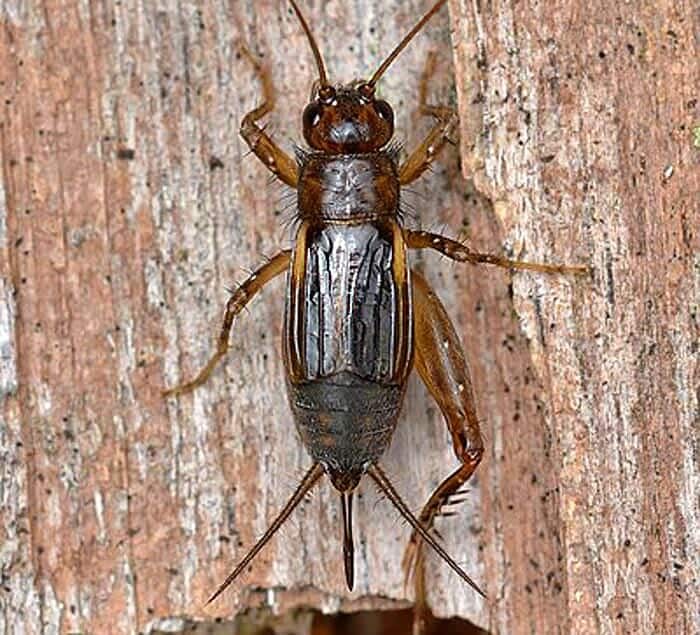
{"x":348,"y":320}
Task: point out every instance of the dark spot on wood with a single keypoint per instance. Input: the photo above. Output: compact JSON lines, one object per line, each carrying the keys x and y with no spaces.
{"x":215,"y":163}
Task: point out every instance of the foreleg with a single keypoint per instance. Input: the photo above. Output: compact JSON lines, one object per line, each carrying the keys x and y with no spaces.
{"x":274,"y":158}
{"x":420,"y":159}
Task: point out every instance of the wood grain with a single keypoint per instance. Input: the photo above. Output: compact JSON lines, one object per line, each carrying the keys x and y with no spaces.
{"x":581,"y":117}
{"x":128,"y":205}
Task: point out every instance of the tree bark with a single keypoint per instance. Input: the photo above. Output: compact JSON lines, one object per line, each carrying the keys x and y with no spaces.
{"x":128,"y":205}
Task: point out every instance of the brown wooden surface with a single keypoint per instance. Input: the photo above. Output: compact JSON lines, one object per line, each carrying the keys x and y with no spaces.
{"x":585,"y":116}
{"x":127,"y":205}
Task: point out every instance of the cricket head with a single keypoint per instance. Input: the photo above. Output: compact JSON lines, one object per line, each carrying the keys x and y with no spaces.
{"x":350,"y":119}
{"x":347,"y":120}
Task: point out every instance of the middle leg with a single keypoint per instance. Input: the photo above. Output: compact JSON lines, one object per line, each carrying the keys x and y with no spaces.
{"x":455,"y":250}
{"x":236,"y":303}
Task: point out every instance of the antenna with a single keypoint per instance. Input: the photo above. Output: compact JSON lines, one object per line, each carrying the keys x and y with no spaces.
{"x":310,"y":479}
{"x":322,"y":78}
{"x":388,"y":490}
{"x":402,"y":45}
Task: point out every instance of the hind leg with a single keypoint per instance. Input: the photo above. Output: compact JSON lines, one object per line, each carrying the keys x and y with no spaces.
{"x":443,"y":368}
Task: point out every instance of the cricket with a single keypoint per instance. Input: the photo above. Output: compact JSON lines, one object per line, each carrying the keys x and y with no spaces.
{"x":358,"y":319}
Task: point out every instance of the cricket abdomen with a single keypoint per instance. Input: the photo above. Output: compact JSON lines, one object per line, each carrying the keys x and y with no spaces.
{"x":348,"y":343}
{"x":345,"y":422}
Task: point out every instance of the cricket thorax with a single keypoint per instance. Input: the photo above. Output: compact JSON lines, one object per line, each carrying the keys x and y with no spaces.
{"x":356,"y":187}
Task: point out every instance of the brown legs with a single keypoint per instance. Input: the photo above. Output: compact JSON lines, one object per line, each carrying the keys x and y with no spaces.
{"x":441,"y":364}
{"x":457,"y":251}
{"x":282,"y":166}
{"x":277,"y":161}
{"x":239,"y":298}
{"x":419,"y":161}
{"x":421,"y":158}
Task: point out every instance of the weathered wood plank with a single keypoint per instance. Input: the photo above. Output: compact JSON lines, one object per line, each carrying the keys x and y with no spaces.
{"x":127,"y":205}
{"x":581,"y":116}
{"x":130,"y":207}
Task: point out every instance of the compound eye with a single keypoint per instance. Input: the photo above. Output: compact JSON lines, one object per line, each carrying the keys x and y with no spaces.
{"x":384,"y":111}
{"x":326,"y":94}
{"x":312,"y":115}
{"x":366,"y":90}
